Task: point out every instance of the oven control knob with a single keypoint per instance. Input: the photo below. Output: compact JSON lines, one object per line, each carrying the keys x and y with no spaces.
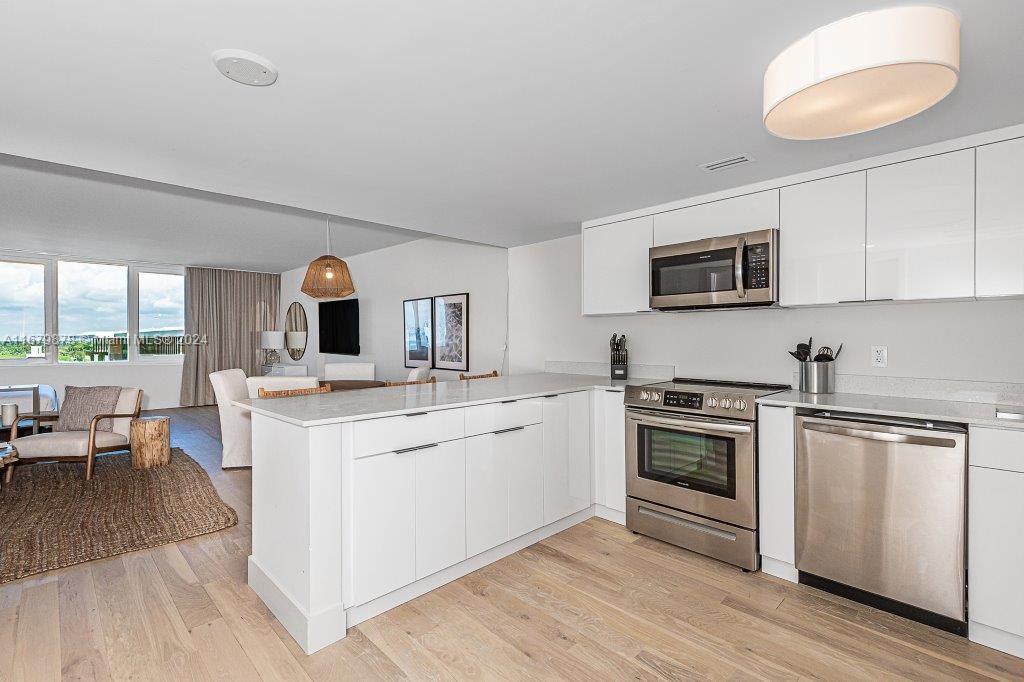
{"x":644,"y":395}
{"x":712,"y":402}
{"x":726,"y":403}
{"x":656,"y":396}
{"x":741,"y":404}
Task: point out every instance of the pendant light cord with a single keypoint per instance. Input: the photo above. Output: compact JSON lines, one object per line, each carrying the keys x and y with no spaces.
{"x":329,"y":236}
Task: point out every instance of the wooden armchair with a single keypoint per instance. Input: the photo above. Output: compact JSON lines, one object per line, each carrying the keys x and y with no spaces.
{"x":78,"y":446}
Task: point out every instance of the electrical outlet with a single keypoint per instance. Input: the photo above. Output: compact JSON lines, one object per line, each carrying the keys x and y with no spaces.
{"x":879,"y":356}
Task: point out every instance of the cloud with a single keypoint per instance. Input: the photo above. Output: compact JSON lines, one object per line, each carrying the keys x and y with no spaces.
{"x":161,"y":301}
{"x":21,"y":300}
{"x":91,"y":297}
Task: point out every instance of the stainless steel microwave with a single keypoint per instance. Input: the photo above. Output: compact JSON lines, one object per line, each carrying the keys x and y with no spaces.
{"x":739,"y":270}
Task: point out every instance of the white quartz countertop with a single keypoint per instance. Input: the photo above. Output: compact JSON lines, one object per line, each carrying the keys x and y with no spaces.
{"x":981,"y":414}
{"x":371,"y":403}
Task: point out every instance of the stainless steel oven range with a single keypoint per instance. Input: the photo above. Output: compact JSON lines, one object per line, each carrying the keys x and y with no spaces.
{"x":691,"y":465}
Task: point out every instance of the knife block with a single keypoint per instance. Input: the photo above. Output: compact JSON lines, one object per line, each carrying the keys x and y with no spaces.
{"x":620,"y":365}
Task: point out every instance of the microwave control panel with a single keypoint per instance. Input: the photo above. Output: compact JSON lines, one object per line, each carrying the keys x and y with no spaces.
{"x":758,"y":266}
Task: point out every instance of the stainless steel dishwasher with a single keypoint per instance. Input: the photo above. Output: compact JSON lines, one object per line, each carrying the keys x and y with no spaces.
{"x":880,"y":513}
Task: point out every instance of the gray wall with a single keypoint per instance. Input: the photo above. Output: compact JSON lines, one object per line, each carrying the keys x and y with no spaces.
{"x":970,"y":340}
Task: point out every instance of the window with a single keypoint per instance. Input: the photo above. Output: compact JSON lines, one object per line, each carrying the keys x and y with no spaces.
{"x":161,"y":313}
{"x":92,"y":310}
{"x":22,"y":310}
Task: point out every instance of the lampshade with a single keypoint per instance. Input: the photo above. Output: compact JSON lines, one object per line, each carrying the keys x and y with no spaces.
{"x":862,"y":72}
{"x":295,"y":339}
{"x":327,"y":276}
{"x":271,"y":340}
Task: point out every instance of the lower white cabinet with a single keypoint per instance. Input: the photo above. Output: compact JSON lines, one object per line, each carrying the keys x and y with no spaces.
{"x":609,"y":429}
{"x":521,"y":449}
{"x":776,"y":475}
{"x":566,"y":455}
{"x":384,"y":524}
{"x":440,"y":506}
{"x":996,"y":539}
{"x":486,"y":494}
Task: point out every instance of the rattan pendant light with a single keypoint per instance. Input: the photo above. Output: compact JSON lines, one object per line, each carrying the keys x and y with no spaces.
{"x":327,"y":276}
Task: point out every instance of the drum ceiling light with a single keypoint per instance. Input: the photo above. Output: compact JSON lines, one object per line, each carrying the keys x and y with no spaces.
{"x":862,"y":72}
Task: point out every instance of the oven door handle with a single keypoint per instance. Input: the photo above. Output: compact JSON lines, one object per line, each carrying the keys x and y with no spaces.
{"x":741,"y":245}
{"x":711,"y":427}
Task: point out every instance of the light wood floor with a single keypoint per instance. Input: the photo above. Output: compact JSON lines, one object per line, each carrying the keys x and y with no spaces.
{"x":593,"y":602}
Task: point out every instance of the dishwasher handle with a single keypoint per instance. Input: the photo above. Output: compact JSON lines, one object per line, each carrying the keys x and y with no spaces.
{"x":886,"y":436}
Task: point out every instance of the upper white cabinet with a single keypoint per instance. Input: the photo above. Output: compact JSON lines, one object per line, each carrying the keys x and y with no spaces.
{"x":822,"y":241}
{"x":920,"y":228}
{"x":1000,"y":218}
{"x":567,"y":486}
{"x":758,"y":211}
{"x":616,"y":267}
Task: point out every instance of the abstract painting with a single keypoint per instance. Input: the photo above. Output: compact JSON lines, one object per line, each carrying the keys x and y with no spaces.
{"x":418,"y":327}
{"x":451,"y":332}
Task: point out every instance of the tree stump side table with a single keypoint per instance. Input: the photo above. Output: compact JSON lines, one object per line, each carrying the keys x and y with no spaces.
{"x":150,"y":442}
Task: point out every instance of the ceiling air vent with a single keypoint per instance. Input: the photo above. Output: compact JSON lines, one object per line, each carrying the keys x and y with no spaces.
{"x":722,"y":164}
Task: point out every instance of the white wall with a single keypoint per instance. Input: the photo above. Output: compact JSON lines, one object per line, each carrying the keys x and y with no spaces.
{"x":385,"y":278}
{"x":160,"y":382}
{"x":971,"y":340}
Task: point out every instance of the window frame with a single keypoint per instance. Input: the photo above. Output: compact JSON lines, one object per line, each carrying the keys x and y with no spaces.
{"x":51,"y":303}
{"x":48,"y":309}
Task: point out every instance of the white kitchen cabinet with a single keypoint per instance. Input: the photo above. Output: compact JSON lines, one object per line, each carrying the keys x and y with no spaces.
{"x":920,"y":228}
{"x":522,"y":450}
{"x":999,"y":261}
{"x":384,"y":524}
{"x":995,"y":534}
{"x":610,"y":449}
{"x":566,"y":455}
{"x":616,"y":267}
{"x":822,"y":241}
{"x":776,"y":475}
{"x":747,"y":213}
{"x":440,"y":506}
{"x":486,"y":493}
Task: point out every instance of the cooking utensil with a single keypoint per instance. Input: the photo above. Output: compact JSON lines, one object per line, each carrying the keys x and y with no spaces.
{"x":800,"y":357}
{"x":836,"y":357}
{"x":824,"y":355}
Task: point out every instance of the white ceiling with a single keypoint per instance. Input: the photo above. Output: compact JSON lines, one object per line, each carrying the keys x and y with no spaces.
{"x":51,"y":209}
{"x":495,"y":121}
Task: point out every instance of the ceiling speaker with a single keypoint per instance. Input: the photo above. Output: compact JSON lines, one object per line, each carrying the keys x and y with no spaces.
{"x":245,"y":67}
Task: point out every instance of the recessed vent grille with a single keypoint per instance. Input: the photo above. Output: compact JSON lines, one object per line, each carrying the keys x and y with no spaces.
{"x":722,"y":164}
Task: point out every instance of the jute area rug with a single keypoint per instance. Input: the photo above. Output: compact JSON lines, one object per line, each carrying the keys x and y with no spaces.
{"x":51,"y":517}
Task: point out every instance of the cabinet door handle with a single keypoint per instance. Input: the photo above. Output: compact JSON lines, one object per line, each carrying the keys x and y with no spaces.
{"x":514,"y":428}
{"x":508,"y":402}
{"x":553,"y":395}
{"x":417,"y":414}
{"x":418,"y":447}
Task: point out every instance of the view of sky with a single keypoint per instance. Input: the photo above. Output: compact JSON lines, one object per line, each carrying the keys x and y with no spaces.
{"x":21,"y":300}
{"x":161,"y":302}
{"x":92,"y":298}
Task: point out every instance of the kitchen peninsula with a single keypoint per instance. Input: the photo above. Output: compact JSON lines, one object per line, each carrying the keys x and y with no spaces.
{"x":363,"y":500}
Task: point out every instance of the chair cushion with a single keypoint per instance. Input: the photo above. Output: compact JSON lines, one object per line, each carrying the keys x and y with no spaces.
{"x":64,"y":444}
{"x":82,"y":403}
{"x":125,"y":405}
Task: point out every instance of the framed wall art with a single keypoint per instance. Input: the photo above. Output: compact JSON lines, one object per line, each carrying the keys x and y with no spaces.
{"x":418,"y":332}
{"x":451,"y":332}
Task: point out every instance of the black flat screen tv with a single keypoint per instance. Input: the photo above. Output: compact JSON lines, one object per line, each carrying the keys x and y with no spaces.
{"x":339,"y":327}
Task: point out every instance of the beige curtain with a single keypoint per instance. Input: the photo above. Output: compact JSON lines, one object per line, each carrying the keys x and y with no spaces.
{"x":225,"y":311}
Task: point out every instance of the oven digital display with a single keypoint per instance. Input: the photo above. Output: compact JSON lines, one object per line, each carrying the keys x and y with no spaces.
{"x":691,"y":401}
